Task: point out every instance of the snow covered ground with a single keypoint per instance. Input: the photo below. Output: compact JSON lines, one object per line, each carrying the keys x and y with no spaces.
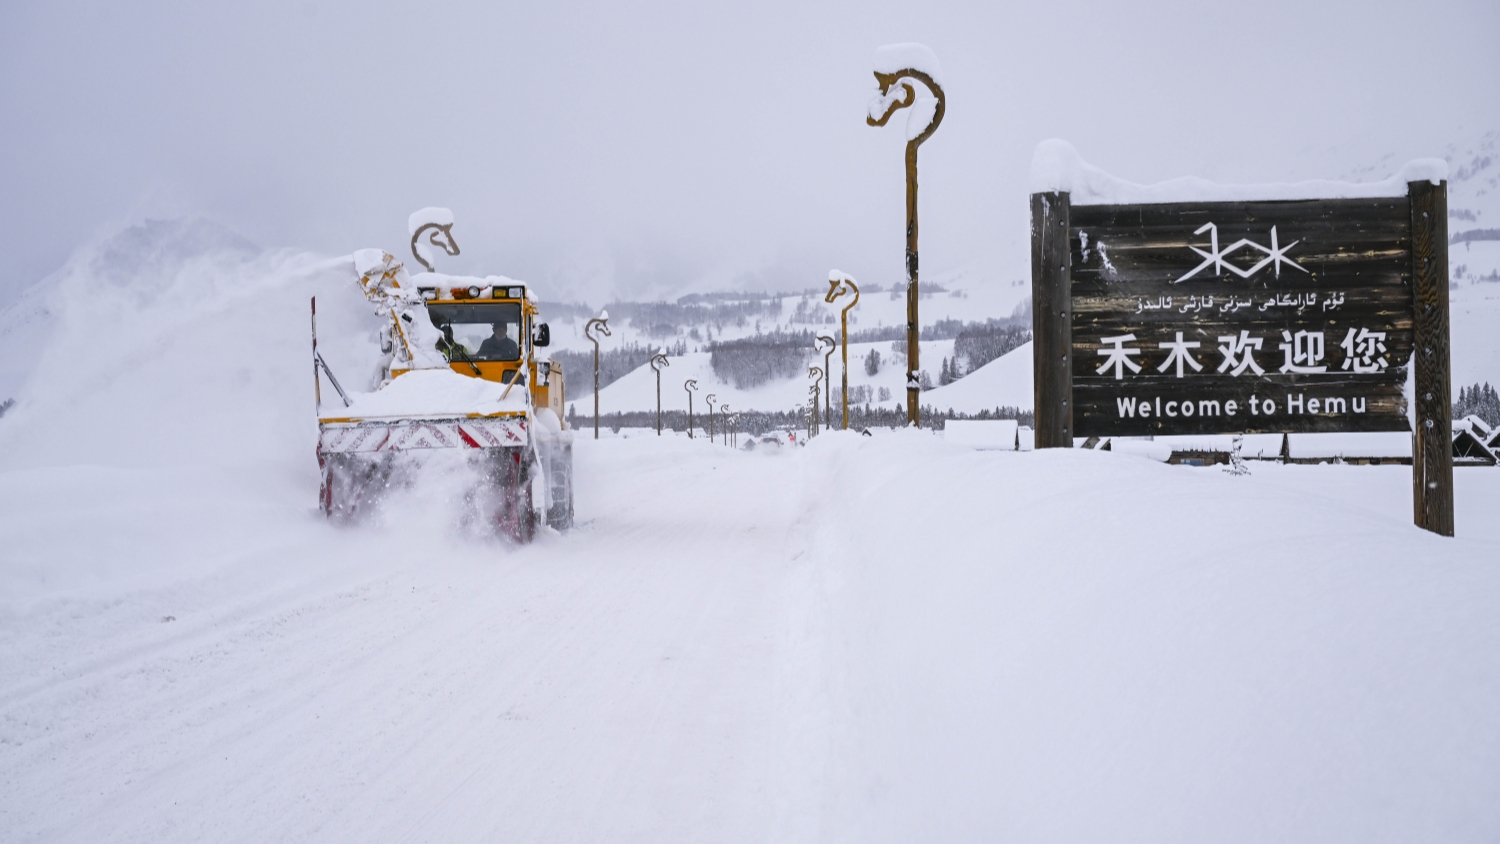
{"x":886,"y":638}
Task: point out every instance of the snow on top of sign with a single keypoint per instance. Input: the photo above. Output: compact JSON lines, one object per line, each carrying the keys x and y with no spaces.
{"x":428,"y":392}
{"x":440,"y":216}
{"x":894,"y":58}
{"x":1057,"y":166}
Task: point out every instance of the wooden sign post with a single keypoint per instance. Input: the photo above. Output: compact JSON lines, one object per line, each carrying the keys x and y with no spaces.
{"x":1247,"y":316}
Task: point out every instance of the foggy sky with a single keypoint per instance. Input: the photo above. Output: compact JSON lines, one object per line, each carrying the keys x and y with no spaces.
{"x":640,"y":150}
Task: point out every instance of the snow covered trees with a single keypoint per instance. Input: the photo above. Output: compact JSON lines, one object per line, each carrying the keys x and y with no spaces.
{"x":761,"y":358}
{"x":981,"y":343}
{"x":1481,"y":401}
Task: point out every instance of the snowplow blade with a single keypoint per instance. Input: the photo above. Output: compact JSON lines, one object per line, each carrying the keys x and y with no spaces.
{"x":521,"y":480}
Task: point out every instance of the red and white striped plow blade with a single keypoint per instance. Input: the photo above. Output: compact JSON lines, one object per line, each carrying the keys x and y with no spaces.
{"x":414,"y":434}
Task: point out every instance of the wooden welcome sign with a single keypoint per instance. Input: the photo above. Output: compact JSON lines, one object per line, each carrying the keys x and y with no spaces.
{"x":1240,"y":316}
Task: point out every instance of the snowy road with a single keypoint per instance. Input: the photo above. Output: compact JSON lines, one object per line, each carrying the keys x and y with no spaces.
{"x":740,"y":647}
{"x":631,"y":677}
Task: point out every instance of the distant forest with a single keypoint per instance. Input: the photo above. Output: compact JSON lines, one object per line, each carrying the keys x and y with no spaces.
{"x":755,"y":423}
{"x":762,"y":358}
{"x":1478,"y":400}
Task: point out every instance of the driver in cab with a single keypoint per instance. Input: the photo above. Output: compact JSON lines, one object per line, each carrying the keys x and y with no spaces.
{"x":499,"y":346}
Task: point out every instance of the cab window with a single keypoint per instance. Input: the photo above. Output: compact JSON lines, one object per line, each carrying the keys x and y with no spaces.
{"x":480,"y":332}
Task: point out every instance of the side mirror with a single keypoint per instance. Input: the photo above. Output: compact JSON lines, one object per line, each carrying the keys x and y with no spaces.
{"x":543,"y":336}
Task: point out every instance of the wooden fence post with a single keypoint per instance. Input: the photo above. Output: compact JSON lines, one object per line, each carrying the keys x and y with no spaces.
{"x":1432,"y":444}
{"x":1051,"y":319}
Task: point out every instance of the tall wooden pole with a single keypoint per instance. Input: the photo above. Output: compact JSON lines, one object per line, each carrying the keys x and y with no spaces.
{"x":1432,"y":443}
{"x":913,"y":349}
{"x":1051,"y":319}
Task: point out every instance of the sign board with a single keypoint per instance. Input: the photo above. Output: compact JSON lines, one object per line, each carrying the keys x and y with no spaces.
{"x":1288,"y":316}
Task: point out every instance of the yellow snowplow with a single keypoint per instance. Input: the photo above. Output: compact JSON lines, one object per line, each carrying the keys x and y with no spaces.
{"x":461,"y":373}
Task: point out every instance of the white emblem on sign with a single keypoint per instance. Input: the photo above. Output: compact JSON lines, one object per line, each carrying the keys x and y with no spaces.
{"x":1214,"y":257}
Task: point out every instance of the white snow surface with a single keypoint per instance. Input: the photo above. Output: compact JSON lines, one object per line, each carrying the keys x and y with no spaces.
{"x":894,"y":58}
{"x":982,"y":433}
{"x":429,"y":392}
{"x":886,"y":638}
{"x":420,"y":218}
{"x":1057,"y":166}
{"x":1382,"y":444}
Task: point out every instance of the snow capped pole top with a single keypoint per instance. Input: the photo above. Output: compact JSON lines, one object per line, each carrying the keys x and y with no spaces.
{"x":897,"y":66}
{"x":894,"y":58}
{"x":437,"y":224}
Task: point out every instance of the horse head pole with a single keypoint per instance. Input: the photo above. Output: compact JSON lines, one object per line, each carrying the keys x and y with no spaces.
{"x":599,"y":323}
{"x":840,"y":283}
{"x":899,"y":69}
{"x":658,"y":360}
{"x":436,"y":224}
{"x":828,"y":378}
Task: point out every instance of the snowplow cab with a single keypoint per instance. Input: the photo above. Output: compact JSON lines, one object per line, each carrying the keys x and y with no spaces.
{"x":493,"y":332}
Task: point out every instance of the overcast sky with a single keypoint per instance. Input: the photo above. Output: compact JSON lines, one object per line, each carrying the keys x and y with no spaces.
{"x":633,"y":149}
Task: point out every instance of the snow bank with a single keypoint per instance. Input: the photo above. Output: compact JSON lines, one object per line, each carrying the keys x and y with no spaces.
{"x":1057,"y":166}
{"x":1386,"y":445}
{"x":988,"y":434}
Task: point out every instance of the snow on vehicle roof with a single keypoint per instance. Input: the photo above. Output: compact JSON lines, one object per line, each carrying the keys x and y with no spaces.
{"x":428,"y":392}
{"x":1057,"y":166}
